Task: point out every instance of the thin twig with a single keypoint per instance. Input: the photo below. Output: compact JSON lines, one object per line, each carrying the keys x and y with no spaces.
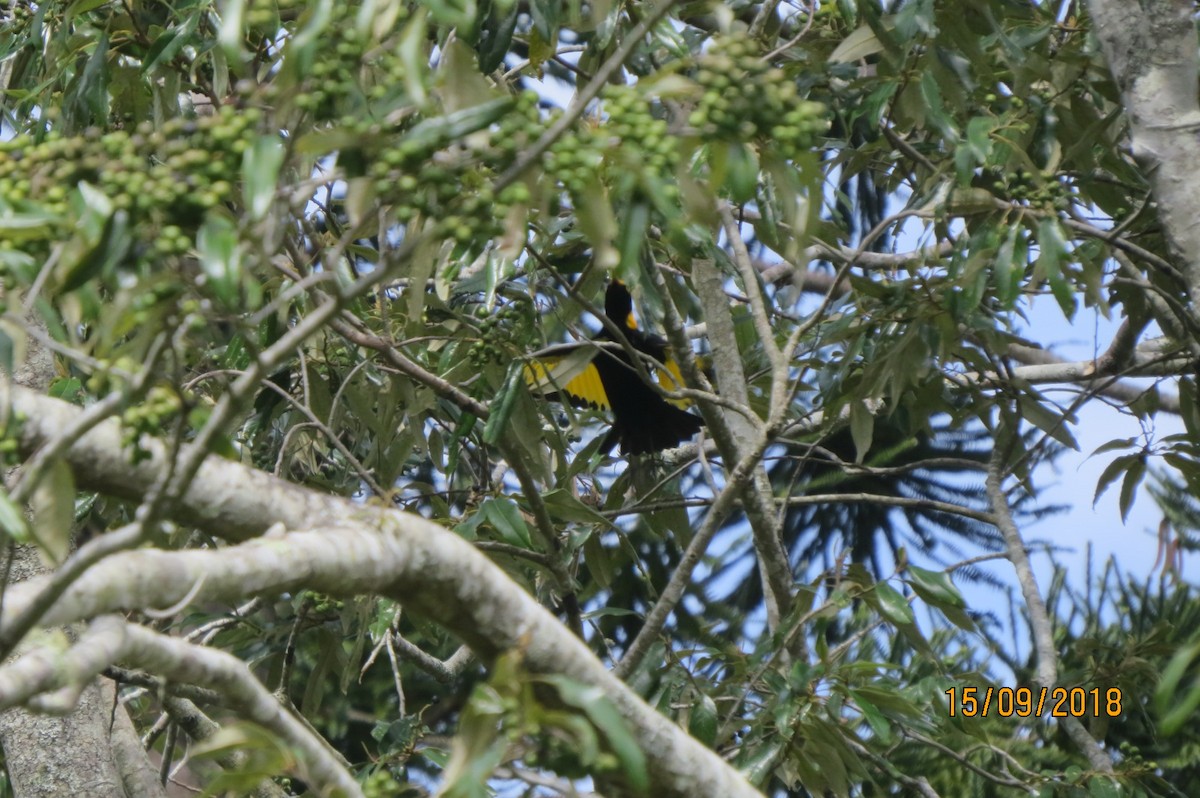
{"x":672,"y":594}
{"x":1046,"y":671}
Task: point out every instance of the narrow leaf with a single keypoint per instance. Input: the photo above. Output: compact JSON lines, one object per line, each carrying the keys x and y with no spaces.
{"x":936,"y":587}
{"x":12,"y":520}
{"x":891,"y":604}
{"x":1133,"y":477}
{"x":862,"y":429}
{"x":260,"y":173}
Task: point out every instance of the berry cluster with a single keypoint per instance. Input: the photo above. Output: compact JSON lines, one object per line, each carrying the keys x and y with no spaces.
{"x":576,"y":158}
{"x":148,"y":417}
{"x":166,"y":177}
{"x":643,"y":138}
{"x":451,"y":180}
{"x":510,"y":328}
{"x":515,"y":131}
{"x":746,"y":99}
{"x":350,"y":69}
{"x":1025,"y":186}
{"x":631,"y":143}
{"x":263,"y":16}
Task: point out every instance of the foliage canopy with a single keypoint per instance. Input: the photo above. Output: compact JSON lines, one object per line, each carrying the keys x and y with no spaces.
{"x":324,"y":240}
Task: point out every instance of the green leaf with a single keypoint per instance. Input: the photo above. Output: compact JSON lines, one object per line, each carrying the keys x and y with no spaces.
{"x":170,"y":43}
{"x":760,"y":761}
{"x":1174,"y":709}
{"x":1114,"y":445}
{"x":974,"y":149}
{"x":260,"y":173}
{"x":414,"y":55}
{"x":912,"y":633}
{"x":935,"y":107}
{"x":459,"y":82}
{"x":545,"y":18}
{"x":101,"y":241}
{"x":879,"y":724}
{"x":862,"y":429}
{"x":506,"y":518}
{"x":230,"y":36}
{"x":634,"y":223}
{"x":891,"y":604}
{"x":66,"y":388}
{"x":935,"y":587}
{"x":566,"y":506}
{"x":741,"y":172}
{"x":610,"y":612}
{"x":1189,"y":408}
{"x":1047,"y":421}
{"x":596,"y":220}
{"x":1008,"y":267}
{"x":1133,"y":478}
{"x":7,"y":350}
{"x":703,"y":720}
{"x":979,"y":138}
{"x":455,"y":14}
{"x":1100,"y":786}
{"x":85,"y":99}
{"x":601,"y":568}
{"x":502,"y":408}
{"x":12,"y":520}
{"x":541,"y":50}
{"x":82,"y":7}
{"x":1051,"y":249}
{"x":53,"y":506}
{"x":649,"y":672}
{"x":220,"y":258}
{"x":442,"y":130}
{"x":603,"y":714}
{"x":496,"y":38}
{"x":1111,"y":472}
{"x":861,"y":43}
{"x":34,"y":223}
{"x":892,"y":704}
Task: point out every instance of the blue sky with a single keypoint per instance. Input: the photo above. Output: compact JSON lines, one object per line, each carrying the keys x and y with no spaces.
{"x":1134,"y":542}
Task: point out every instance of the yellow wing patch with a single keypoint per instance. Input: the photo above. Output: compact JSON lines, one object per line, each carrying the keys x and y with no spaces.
{"x":587,"y":387}
{"x":671,"y":379}
{"x":568,"y":369}
{"x":572,"y":374}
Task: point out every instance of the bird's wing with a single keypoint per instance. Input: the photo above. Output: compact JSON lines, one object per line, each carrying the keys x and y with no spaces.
{"x":568,"y":370}
{"x":671,"y":379}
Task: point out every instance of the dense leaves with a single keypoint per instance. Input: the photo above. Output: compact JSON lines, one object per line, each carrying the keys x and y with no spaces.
{"x":326,"y":237}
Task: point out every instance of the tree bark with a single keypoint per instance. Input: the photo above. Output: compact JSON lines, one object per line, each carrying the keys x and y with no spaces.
{"x":1151,"y":52}
{"x":94,"y":750}
{"x":351,"y":550}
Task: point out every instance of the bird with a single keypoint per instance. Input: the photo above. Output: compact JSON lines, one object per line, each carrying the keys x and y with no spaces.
{"x":603,"y":377}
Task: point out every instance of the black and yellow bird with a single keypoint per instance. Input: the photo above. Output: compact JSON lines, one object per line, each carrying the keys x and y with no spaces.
{"x":603,"y":377}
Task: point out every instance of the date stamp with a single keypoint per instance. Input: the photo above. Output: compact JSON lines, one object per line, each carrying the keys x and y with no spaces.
{"x":1026,"y":702}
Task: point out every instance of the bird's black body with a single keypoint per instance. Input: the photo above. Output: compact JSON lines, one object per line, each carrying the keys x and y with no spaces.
{"x":643,"y":421}
{"x":602,"y":376}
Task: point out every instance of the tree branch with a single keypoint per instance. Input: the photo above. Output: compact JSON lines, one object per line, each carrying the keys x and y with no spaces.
{"x":1152,"y":55}
{"x":109,"y":639}
{"x":1046,"y":674}
{"x":354,"y":550}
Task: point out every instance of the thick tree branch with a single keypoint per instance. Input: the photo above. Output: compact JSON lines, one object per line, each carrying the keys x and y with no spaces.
{"x":1152,"y":55}
{"x":109,"y":639}
{"x":356,"y":550}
